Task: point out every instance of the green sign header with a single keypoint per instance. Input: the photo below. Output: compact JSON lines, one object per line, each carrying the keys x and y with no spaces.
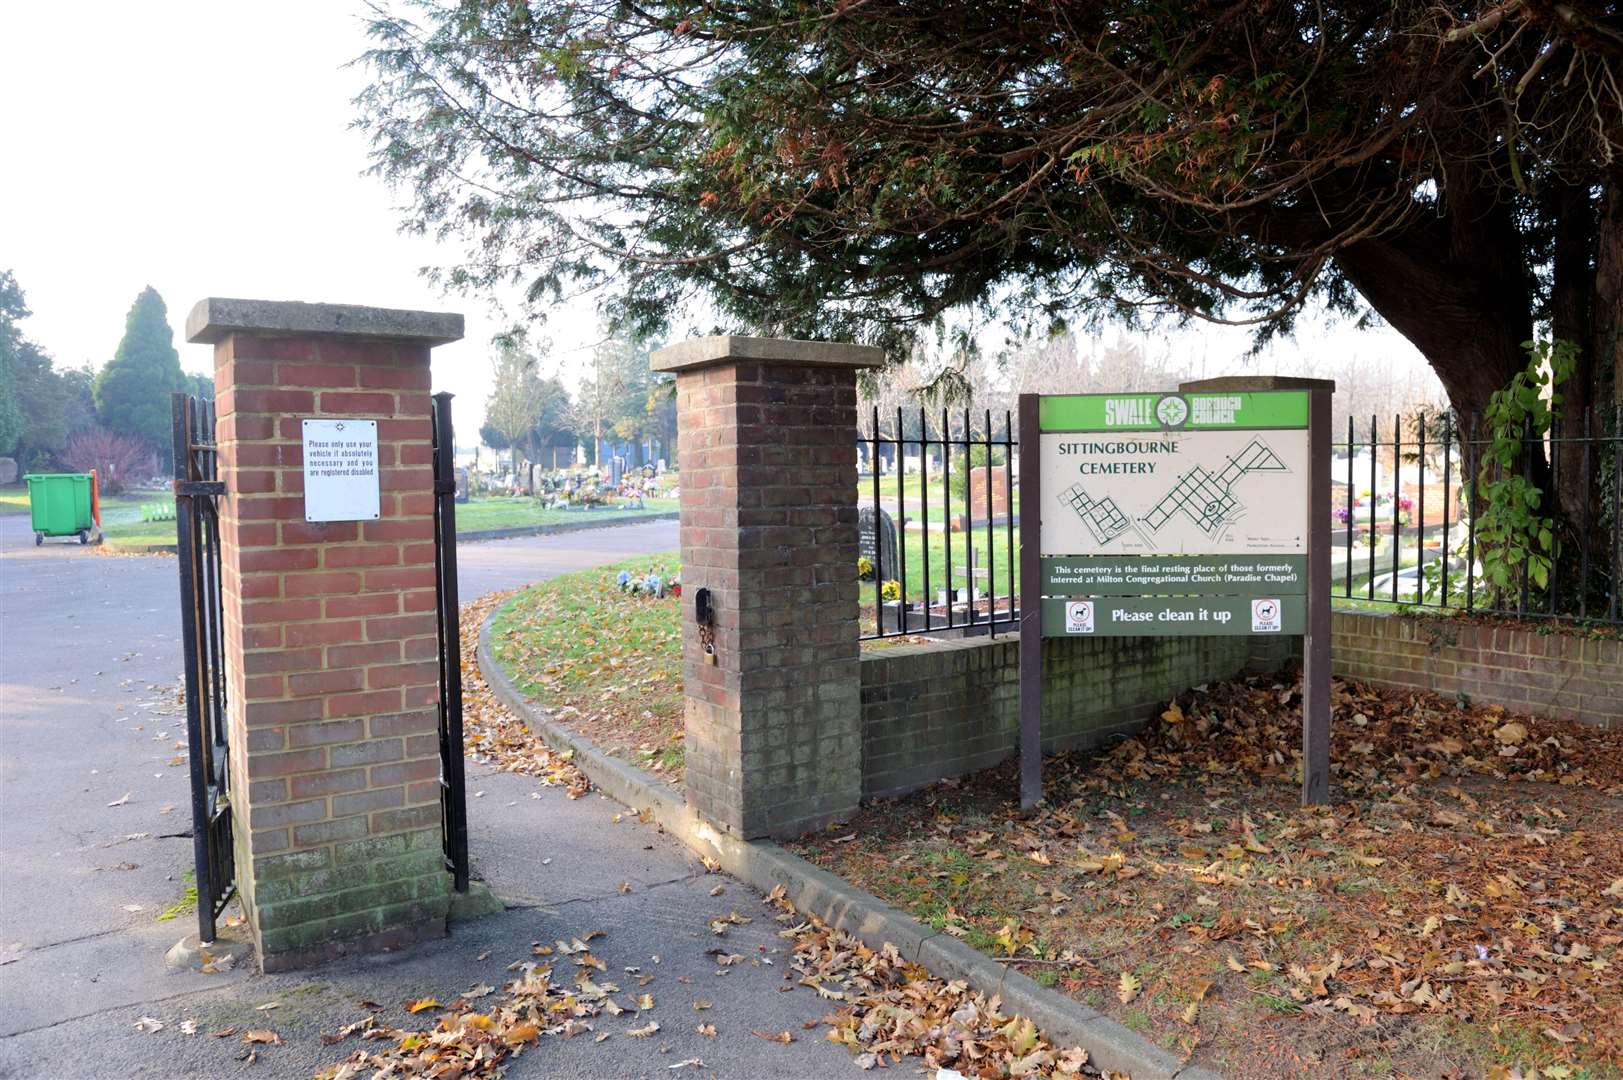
{"x":1172,"y":411}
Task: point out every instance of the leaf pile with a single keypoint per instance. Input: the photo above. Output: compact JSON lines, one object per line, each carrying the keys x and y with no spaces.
{"x":490,"y":731}
{"x":1468,"y":883}
{"x":467,"y":1042}
{"x":1378,"y":738}
{"x":891,"y":1009}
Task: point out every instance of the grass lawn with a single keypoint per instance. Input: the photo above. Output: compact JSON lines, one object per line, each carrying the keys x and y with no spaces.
{"x":14,"y":500}
{"x":487,"y":512}
{"x":1458,"y":911}
{"x":606,"y":664}
{"x":120,"y":515}
{"x":913,"y":546}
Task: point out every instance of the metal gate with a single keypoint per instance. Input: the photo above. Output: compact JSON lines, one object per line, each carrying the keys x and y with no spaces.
{"x":197,"y":535}
{"x":453,"y":784}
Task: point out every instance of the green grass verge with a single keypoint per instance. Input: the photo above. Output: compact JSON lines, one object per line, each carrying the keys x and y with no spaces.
{"x":606,"y":663}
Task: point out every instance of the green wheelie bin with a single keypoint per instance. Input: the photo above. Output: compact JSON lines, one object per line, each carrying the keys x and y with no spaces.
{"x":64,"y":504}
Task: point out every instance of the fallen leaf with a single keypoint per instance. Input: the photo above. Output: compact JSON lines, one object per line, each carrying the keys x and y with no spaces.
{"x":122,"y":799}
{"x":780,"y":1037}
{"x":521,"y":1033}
{"x":262,"y":1035}
{"x":707,"y":1030}
{"x":1127,"y":987}
{"x":148,"y":1024}
{"x":644,"y":1031}
{"x":421,"y":1005}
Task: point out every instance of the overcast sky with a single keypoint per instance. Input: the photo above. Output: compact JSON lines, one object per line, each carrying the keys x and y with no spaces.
{"x":204,"y":148}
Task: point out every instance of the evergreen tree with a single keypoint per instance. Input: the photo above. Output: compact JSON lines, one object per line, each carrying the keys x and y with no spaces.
{"x":12,"y":308}
{"x":132,"y":391}
{"x":34,"y":397}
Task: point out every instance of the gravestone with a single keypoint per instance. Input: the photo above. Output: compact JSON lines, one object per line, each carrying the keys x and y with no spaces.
{"x":998,"y":477}
{"x":876,"y":541}
{"x":461,"y":483}
{"x":8,"y":470}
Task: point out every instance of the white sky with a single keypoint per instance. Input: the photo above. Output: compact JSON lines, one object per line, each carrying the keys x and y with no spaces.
{"x":203,"y":147}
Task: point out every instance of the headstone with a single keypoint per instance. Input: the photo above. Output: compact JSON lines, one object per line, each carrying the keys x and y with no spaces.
{"x":8,"y":470}
{"x":876,"y":541}
{"x":998,"y":477}
{"x":617,"y":468}
{"x":462,"y":483}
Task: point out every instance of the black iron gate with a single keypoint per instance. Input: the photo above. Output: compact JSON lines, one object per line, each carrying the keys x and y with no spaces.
{"x":197,"y":534}
{"x":453,"y":784}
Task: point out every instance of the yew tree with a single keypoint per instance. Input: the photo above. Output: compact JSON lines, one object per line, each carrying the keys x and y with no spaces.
{"x":863,"y":167}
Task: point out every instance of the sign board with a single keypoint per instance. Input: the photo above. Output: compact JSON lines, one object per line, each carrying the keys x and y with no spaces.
{"x":1174,"y":494}
{"x":341,"y":470}
{"x":1198,"y":512}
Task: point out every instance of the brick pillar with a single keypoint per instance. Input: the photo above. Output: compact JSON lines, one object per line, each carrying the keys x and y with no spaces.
{"x":767,"y":438}
{"x":330,"y":632}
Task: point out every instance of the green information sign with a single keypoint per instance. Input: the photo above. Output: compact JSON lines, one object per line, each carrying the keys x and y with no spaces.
{"x":1173,"y":616}
{"x":1202,"y":511}
{"x":1166,"y":575}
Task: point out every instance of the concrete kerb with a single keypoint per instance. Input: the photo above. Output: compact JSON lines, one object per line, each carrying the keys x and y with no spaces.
{"x":113,"y":547}
{"x":766,"y":865}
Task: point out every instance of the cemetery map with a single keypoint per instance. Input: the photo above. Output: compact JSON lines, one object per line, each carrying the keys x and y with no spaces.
{"x":1174,"y":492}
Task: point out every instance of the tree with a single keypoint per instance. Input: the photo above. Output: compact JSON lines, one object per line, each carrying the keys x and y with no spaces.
{"x":613,"y":396}
{"x":132,"y":391}
{"x":519,"y":399}
{"x":38,"y":405}
{"x":12,"y":308}
{"x":860,"y":170}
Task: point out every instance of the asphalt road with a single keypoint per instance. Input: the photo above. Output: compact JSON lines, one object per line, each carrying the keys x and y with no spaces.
{"x":94,"y":846}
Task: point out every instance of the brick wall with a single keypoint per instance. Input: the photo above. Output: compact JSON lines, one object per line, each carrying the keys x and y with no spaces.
{"x":769,"y":527}
{"x":1559,"y":675}
{"x":331,"y":652}
{"x":952,"y":707}
{"x":949,"y":708}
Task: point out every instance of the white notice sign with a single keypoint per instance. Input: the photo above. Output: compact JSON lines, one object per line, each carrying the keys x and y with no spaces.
{"x":340,"y":470}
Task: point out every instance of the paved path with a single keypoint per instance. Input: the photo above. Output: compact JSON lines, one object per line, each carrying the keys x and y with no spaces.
{"x":88,"y":662}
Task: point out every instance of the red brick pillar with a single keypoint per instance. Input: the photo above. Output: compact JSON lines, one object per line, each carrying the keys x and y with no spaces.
{"x":330,"y":633}
{"x":767,"y":433}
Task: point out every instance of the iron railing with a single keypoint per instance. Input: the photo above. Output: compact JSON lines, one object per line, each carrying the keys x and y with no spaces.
{"x":1408,"y":508}
{"x":944,"y":485}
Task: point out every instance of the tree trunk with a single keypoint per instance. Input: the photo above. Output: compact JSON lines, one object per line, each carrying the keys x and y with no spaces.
{"x":1607,"y":311}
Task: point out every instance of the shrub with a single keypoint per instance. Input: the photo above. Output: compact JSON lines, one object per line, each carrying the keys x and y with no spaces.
{"x":118,"y":459}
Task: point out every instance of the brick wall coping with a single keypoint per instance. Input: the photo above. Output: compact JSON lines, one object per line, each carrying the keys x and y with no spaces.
{"x":723,"y":348}
{"x":217,"y":317}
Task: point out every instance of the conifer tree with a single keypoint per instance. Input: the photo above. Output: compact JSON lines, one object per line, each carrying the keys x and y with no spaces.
{"x":132,"y":391}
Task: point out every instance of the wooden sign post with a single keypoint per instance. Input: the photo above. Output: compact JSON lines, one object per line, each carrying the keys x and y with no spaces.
{"x":1201,"y":511}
